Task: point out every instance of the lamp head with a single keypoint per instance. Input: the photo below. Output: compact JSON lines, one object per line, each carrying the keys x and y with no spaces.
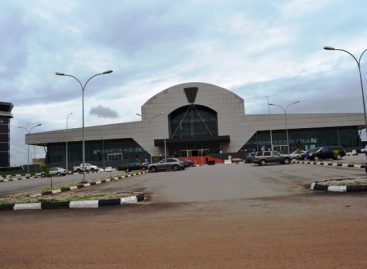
{"x":107,"y":72}
{"x":329,"y":48}
{"x":60,"y":74}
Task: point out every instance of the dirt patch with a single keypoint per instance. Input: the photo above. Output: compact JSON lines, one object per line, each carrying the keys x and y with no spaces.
{"x":222,"y":234}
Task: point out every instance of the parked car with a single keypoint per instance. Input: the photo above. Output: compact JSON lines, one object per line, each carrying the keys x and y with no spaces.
{"x":297,"y":154}
{"x":308,"y":154}
{"x":131,"y":166}
{"x":167,"y":164}
{"x":88,"y":167}
{"x":329,"y":152}
{"x":188,"y":163}
{"x":57,"y":171}
{"x":264,"y":157}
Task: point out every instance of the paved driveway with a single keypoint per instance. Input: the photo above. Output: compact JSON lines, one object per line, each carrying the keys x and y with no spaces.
{"x":227,"y":182}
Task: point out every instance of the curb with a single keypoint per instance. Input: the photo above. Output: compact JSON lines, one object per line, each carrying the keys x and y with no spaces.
{"x":79,"y":186}
{"x":74,"y":204}
{"x":350,"y":165}
{"x":9,"y":179}
{"x":334,"y":188}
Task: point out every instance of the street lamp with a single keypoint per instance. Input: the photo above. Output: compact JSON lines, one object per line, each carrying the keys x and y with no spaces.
{"x":285,"y":117}
{"x":83,"y":89}
{"x":66,"y":142}
{"x":360,"y":77}
{"x":150,"y":122}
{"x":271,"y":135}
{"x":28,"y":132}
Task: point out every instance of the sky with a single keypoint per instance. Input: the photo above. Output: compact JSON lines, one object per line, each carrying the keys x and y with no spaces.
{"x":253,"y":48}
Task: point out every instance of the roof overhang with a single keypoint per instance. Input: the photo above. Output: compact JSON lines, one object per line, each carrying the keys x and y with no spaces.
{"x":189,"y":140}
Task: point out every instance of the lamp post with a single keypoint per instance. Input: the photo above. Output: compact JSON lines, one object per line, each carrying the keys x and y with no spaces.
{"x":360,"y":77}
{"x":83,"y":89}
{"x":150,"y":122}
{"x":66,"y":142}
{"x":285,"y":117}
{"x":28,"y":132}
{"x":271,"y":135}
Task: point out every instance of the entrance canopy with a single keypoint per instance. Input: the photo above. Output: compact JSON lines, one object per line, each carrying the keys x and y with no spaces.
{"x":192,"y":140}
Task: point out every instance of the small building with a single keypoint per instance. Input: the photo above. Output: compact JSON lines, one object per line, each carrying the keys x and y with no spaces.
{"x":196,"y":120}
{"x":5,"y":116}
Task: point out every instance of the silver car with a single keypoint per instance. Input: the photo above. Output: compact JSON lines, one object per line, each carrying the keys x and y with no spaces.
{"x":167,"y":164}
{"x":264,"y":157}
{"x":57,"y":171}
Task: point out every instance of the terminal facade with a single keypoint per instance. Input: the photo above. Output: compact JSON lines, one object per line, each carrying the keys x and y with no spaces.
{"x":197,"y":119}
{"x":5,"y":116}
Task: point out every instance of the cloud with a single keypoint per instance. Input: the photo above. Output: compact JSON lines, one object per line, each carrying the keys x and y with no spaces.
{"x":103,"y":112}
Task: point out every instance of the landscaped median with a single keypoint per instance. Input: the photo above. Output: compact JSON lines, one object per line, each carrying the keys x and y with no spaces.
{"x":24,"y":201}
{"x":72,"y":196}
{"x":337,"y":164}
{"x":341,"y":185}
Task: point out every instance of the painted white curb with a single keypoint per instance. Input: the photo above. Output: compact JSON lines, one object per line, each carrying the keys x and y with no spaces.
{"x":84,"y":204}
{"x":337,"y":188}
{"x":27,"y":206}
{"x":128,"y":200}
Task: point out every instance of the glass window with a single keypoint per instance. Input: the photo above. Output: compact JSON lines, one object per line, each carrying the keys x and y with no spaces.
{"x":193,"y":121}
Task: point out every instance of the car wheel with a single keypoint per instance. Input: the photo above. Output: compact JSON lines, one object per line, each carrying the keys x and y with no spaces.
{"x":262,"y":162}
{"x":58,"y":174}
{"x":338,"y":157}
{"x":153,"y":169}
{"x":286,"y":161}
{"x":175,"y":168}
{"x":316,"y":158}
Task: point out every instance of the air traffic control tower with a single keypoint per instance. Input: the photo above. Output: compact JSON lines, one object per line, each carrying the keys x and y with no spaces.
{"x":5,"y":116}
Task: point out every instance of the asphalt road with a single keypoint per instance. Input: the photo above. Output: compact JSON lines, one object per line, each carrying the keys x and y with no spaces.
{"x":36,"y":184}
{"x":227,"y":182}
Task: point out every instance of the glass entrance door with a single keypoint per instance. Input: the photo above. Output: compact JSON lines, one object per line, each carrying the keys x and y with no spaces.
{"x":193,"y":152}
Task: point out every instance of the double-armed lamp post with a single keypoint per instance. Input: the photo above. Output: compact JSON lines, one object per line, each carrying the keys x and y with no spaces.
{"x":358,"y":61}
{"x":28,"y":132}
{"x":83,"y":89}
{"x":285,"y":118}
{"x":271,"y":133}
{"x":66,"y":142}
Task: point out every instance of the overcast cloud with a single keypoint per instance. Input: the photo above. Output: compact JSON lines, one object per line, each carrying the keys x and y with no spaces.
{"x":254,"y":48}
{"x":103,"y":112}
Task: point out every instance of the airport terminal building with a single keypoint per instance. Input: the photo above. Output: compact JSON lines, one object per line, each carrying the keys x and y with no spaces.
{"x":197,"y":119}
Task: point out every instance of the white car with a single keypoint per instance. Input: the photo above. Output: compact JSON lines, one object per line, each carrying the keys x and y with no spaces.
{"x":88,"y":168}
{"x":57,"y":171}
{"x":296,"y":154}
